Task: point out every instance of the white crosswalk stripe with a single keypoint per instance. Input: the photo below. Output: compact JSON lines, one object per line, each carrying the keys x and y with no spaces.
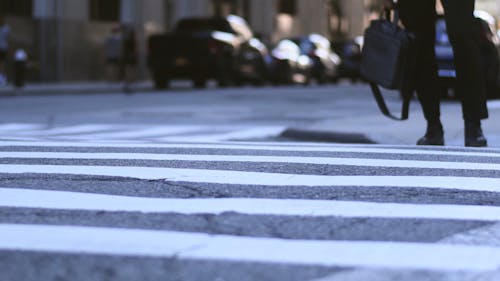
{"x":258,"y":159}
{"x":20,"y":198}
{"x":234,"y":203}
{"x":231,"y":248}
{"x":259,"y":147}
{"x":106,"y":132}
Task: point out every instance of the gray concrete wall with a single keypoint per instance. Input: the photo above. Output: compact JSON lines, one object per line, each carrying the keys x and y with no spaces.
{"x":312,"y":18}
{"x":262,"y":18}
{"x":83,"y":57}
{"x":191,"y":8}
{"x":61,"y":41}
{"x":356,"y":16}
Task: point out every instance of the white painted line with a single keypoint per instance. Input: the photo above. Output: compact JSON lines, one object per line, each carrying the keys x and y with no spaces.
{"x":25,"y":198}
{"x":12,"y":138}
{"x":19,"y":127}
{"x":166,"y":244}
{"x":44,"y":132}
{"x":488,"y":235}
{"x":263,"y":179}
{"x":277,"y":147}
{"x":79,"y":129}
{"x":159,"y":131}
{"x":234,"y":135}
{"x":363,"y":162}
{"x":101,"y":131}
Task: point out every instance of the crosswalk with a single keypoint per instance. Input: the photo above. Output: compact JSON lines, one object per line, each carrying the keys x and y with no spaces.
{"x":89,"y":210}
{"x":138,"y":132}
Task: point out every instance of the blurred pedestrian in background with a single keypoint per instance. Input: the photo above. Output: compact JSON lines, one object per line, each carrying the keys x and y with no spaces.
{"x":114,"y":49}
{"x":4,"y":50}
{"x":419,"y":17}
{"x":20,"y":68}
{"x":129,"y":57}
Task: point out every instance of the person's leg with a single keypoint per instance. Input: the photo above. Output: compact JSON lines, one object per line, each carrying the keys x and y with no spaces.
{"x":112,"y":70}
{"x":109,"y":71}
{"x":3,"y":76}
{"x":419,"y":17}
{"x":130,"y":77}
{"x":465,"y":38}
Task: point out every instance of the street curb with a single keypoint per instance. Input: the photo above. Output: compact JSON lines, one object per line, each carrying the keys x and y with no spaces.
{"x":326,"y":136}
{"x":62,"y":90}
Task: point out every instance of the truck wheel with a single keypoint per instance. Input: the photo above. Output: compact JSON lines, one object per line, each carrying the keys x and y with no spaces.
{"x":160,"y":81}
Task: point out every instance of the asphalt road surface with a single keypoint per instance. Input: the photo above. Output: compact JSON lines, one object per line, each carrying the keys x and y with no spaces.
{"x":247,"y":106}
{"x":247,"y":211}
{"x":181,"y":200}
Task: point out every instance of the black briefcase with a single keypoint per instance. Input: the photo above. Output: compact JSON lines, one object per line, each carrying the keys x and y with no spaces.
{"x":388,"y":60}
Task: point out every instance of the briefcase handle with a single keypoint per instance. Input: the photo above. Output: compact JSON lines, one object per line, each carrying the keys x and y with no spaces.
{"x":386,"y":14}
{"x":377,"y":93}
{"x":406,"y":95}
{"x":392,"y":5}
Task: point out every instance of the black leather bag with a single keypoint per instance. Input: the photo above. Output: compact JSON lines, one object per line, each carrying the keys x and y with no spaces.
{"x":388,"y":60}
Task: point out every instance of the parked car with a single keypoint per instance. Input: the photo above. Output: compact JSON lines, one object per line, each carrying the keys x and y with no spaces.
{"x":204,"y":48}
{"x":288,"y":65}
{"x":326,"y":61}
{"x":251,"y":63}
{"x":350,"y":55}
{"x":490,"y":49}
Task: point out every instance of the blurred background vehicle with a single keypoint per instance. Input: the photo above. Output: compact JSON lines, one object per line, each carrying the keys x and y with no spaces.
{"x":490,"y":48}
{"x":349,"y":51}
{"x":288,"y":65}
{"x":204,"y":48}
{"x":251,"y":63}
{"x":326,"y":61}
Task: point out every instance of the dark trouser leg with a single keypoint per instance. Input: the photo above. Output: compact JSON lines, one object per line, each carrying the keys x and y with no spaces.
{"x":471,"y":84}
{"x":419,"y":17}
{"x":464,"y":36}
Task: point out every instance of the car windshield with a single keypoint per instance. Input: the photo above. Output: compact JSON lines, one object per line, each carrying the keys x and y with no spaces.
{"x":200,"y":25}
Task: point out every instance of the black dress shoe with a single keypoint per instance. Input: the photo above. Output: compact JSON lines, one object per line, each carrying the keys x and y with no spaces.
{"x":474,"y":134}
{"x":433,"y":136}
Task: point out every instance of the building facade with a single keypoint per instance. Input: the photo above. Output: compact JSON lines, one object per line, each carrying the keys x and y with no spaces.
{"x":65,"y":38}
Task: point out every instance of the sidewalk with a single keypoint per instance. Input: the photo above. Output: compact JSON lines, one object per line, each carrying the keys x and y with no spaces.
{"x":73,"y":88}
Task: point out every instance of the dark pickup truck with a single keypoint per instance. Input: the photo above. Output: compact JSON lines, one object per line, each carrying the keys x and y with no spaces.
{"x":207,"y":48}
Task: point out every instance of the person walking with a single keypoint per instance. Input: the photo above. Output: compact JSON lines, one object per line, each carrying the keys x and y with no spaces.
{"x":419,"y":17}
{"x":129,"y":57}
{"x":4,"y":49}
{"x":114,"y":46}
